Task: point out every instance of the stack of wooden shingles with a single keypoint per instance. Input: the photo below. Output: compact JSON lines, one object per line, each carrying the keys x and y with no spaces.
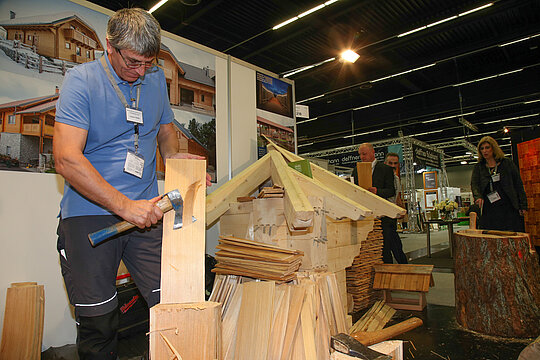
{"x":361,"y":274}
{"x":262,"y":261}
{"x":275,"y":191}
{"x":263,"y":320}
{"x":22,"y":333}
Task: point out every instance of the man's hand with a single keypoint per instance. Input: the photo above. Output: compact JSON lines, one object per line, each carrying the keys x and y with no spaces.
{"x":192,"y":156}
{"x":373,"y":190}
{"x":142,"y":213}
{"x":479,"y":202}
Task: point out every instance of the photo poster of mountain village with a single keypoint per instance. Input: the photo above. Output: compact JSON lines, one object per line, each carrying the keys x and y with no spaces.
{"x":274,"y":113}
{"x":41,"y":40}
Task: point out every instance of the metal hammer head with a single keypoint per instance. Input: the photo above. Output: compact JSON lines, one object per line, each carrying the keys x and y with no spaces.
{"x":178,"y":205}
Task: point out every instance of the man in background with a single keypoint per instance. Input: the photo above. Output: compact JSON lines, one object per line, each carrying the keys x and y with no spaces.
{"x":382,"y":184}
{"x":396,"y":247}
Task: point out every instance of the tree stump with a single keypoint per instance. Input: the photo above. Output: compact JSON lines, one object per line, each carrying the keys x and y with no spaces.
{"x":497,"y":284}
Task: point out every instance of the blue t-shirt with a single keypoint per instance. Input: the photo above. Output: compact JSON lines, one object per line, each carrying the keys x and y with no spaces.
{"x":88,"y":101}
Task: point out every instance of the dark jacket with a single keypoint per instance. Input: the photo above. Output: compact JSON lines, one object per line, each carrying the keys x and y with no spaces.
{"x":510,"y":182}
{"x":382,"y":178}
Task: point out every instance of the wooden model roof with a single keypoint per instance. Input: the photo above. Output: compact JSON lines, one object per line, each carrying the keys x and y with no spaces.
{"x":343,"y":199}
{"x":405,"y":277}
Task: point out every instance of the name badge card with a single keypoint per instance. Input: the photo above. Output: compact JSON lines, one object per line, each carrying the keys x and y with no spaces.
{"x":496,"y":177}
{"x":134,"y":115}
{"x":494,"y":196}
{"x":134,"y":164}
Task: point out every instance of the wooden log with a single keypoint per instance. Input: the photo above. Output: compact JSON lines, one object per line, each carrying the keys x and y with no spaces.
{"x":183,"y":250}
{"x":497,"y":284}
{"x":372,"y":337}
{"x":191,"y":330}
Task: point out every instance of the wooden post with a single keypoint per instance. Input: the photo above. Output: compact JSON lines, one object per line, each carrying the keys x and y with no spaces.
{"x":363,"y":170}
{"x":497,"y":284}
{"x":183,"y":250}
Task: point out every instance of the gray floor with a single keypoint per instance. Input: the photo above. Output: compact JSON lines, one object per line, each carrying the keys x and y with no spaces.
{"x":415,"y":245}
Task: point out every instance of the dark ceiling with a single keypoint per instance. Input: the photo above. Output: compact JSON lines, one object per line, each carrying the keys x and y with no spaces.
{"x":458,"y":51}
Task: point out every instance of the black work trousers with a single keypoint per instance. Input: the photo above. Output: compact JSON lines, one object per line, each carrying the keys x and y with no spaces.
{"x":392,"y":242}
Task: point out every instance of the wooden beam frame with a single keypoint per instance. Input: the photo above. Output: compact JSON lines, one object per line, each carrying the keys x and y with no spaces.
{"x":347,"y":189}
{"x":297,"y":208}
{"x":338,"y":206}
{"x":243,"y":184}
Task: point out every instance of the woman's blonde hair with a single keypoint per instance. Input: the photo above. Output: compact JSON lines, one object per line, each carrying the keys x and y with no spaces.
{"x":498,"y":154}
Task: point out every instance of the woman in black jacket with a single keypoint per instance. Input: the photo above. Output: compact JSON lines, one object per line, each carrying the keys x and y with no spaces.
{"x":497,"y":189}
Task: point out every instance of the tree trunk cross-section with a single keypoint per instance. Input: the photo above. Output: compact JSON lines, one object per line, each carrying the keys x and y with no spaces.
{"x":497,"y":284}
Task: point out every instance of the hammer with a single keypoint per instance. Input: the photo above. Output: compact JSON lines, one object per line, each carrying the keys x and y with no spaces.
{"x":171,"y":200}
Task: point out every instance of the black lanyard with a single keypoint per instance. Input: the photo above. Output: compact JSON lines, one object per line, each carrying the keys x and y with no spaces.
{"x":134,"y":102}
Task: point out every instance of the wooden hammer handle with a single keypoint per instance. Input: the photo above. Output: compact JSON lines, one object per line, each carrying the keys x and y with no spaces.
{"x":101,"y":235}
{"x":373,"y":337}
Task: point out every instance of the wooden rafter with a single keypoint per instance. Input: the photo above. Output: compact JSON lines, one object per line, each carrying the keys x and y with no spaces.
{"x":298,"y":210}
{"x":346,"y":189}
{"x":243,"y":184}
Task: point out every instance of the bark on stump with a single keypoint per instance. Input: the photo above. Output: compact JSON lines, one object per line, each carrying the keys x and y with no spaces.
{"x":497,"y":284}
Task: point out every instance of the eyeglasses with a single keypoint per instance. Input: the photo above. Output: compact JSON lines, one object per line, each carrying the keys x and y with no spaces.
{"x":136,"y":64}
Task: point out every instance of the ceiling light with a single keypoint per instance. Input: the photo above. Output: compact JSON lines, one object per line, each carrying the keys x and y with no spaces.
{"x":475,"y":9}
{"x":532,"y":101}
{"x":311,"y":10}
{"x":286,"y":22}
{"x":304,"y":68}
{"x":463,"y":162}
{"x":349,"y":56}
{"x":519,"y":40}
{"x":468,"y":153}
{"x":157,"y":6}
{"x":506,"y":130}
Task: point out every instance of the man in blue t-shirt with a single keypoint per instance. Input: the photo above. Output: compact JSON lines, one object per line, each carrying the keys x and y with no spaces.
{"x":111,"y":115}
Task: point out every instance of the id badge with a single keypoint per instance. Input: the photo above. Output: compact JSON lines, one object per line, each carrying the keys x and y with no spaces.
{"x":496,"y":177}
{"x":134,"y":164}
{"x":134,"y":115}
{"x":494,"y":196}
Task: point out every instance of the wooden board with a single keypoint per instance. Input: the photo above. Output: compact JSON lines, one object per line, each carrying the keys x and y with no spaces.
{"x":183,"y":250}
{"x":364,"y":171}
{"x":22,"y":332}
{"x":255,"y":321}
{"x":191,"y":330}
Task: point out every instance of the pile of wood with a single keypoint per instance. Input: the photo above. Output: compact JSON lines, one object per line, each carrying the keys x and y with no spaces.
{"x":529,"y":162}
{"x":23,"y":322}
{"x":265,"y":320}
{"x":275,"y":191}
{"x":254,"y":259}
{"x":360,"y":275}
{"x":375,"y":318}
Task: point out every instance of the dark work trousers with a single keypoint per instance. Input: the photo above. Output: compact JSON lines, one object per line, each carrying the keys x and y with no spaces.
{"x":90,"y":277}
{"x":392,"y":242}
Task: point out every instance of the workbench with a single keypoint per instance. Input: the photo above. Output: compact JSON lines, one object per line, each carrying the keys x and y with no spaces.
{"x":450,"y":225}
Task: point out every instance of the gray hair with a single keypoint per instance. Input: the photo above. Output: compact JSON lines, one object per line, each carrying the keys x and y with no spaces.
{"x":134,"y":29}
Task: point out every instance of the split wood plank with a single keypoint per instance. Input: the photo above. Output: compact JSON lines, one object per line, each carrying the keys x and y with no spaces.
{"x":279,"y":323}
{"x":192,"y":329}
{"x":255,"y":321}
{"x":295,"y":307}
{"x":229,"y":324}
{"x":338,"y":206}
{"x":298,"y":210}
{"x":183,"y":250}
{"x":378,"y":205}
{"x":243,"y":184}
{"x":23,"y":322}
{"x":308,"y":324}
